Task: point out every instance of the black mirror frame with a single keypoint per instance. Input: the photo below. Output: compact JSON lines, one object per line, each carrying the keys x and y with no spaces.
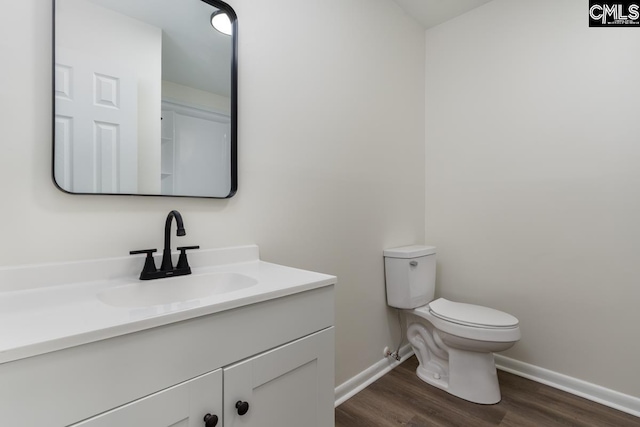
{"x":234,"y":107}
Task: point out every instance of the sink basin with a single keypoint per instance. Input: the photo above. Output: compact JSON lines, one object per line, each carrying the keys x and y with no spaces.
{"x":175,"y":289}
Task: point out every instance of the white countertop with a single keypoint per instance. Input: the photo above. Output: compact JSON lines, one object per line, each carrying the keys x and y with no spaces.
{"x":45,"y":317}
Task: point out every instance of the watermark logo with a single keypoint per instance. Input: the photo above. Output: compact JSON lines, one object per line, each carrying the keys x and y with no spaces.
{"x":614,"y":14}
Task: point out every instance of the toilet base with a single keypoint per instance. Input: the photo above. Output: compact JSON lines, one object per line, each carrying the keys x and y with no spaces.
{"x":472,"y":376}
{"x":462,"y":367}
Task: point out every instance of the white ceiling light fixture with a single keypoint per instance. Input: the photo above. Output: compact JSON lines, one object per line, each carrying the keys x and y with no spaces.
{"x":221,"y":22}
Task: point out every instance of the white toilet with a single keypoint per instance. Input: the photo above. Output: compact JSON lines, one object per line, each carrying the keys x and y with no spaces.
{"x":454,"y":342}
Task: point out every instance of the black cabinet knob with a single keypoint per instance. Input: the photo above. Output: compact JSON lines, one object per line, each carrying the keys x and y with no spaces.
{"x":242,"y":407}
{"x":210,"y":420}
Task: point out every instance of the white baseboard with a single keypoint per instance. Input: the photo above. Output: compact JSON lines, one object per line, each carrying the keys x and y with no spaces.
{"x":611,"y":398}
{"x":614,"y":399}
{"x":358,"y":383}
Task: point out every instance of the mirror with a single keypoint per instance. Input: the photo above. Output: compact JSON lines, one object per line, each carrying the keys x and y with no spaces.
{"x":145,"y":98}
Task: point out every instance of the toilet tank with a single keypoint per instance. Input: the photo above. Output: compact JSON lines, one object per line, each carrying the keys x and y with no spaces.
{"x":410,"y":275}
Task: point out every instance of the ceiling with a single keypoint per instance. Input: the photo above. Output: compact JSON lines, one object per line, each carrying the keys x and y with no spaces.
{"x":193,"y":53}
{"x":430,"y":13}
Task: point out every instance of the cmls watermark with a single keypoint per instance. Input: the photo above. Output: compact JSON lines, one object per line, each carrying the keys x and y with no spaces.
{"x":614,"y":14}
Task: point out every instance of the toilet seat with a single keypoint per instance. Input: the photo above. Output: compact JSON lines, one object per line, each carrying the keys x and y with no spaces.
{"x":471,"y":315}
{"x":464,"y":328}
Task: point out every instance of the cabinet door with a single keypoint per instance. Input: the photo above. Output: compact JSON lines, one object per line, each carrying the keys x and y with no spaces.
{"x":184,"y":405}
{"x":290,"y":386}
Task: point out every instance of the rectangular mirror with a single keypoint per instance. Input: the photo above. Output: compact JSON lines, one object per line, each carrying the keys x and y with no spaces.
{"x":145,"y":97}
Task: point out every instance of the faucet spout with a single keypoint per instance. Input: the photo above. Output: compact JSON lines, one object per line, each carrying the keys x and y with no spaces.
{"x":167,"y":265}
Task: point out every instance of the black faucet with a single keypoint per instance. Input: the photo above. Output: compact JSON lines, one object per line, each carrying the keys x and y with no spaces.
{"x":149,"y":270}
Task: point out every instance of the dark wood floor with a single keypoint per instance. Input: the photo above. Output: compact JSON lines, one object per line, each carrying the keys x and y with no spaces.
{"x":400,"y":398}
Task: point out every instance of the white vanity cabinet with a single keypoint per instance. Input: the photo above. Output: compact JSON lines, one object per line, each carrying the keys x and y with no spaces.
{"x":279,"y":388}
{"x":277,"y":355}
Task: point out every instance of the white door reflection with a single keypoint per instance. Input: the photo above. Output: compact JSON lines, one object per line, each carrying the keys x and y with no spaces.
{"x":195,"y":149}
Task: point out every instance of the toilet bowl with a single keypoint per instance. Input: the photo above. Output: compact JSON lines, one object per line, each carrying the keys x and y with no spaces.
{"x":454,"y":342}
{"x":456,"y":355}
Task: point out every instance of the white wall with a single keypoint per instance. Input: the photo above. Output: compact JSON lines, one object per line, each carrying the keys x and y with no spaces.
{"x":331,"y":145}
{"x":533,"y":177}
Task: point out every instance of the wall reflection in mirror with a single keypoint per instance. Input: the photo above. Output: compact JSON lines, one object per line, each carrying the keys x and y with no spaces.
{"x":144,"y":98}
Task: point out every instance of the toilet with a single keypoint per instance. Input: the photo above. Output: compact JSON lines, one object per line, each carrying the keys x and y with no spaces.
{"x":454,"y":342}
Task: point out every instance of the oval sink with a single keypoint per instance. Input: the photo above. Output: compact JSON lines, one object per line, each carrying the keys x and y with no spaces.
{"x":175,"y":289}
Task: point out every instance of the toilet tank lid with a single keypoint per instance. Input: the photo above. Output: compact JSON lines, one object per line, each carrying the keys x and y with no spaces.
{"x":413,"y":251}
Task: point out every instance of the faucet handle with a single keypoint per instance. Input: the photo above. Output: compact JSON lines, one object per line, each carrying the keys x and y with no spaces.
{"x":143,"y":251}
{"x":182,"y":260}
{"x":149,"y":263}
